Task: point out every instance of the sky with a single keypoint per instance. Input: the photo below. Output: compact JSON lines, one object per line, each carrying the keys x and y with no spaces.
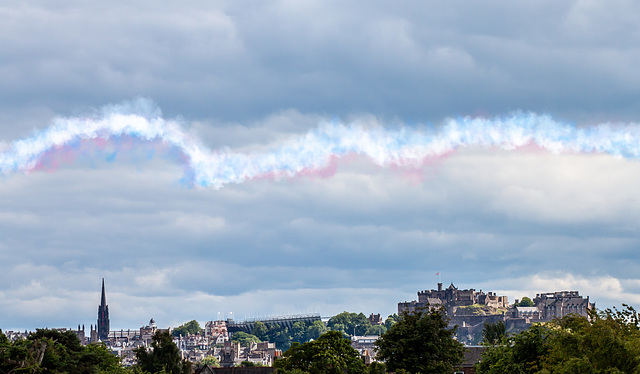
{"x":215,"y":159}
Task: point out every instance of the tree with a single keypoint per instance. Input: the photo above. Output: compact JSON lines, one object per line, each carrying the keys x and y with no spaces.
{"x":494,"y":333}
{"x":280,"y":335}
{"x":52,"y":351}
{"x":376,"y":330}
{"x":522,"y":353}
{"x":376,"y":368}
{"x":606,"y":342}
{"x":210,"y":361}
{"x":244,"y":339}
{"x":391,"y":320}
{"x":330,"y":354}
{"x":260,"y":330}
{"x":525,"y":302}
{"x":421,"y":342}
{"x":164,"y":356}
{"x":191,"y":327}
{"x":349,"y":323}
{"x":316,"y":329}
{"x":299,"y":332}
{"x":97,"y":358}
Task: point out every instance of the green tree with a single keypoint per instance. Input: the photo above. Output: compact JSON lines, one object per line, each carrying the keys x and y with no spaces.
{"x":391,"y":320}
{"x":522,"y":353}
{"x":330,"y":354}
{"x":164,"y":356}
{"x":244,"y":339}
{"x":421,"y":342}
{"x":191,"y":327}
{"x":316,"y":329}
{"x":377,"y":368}
{"x":606,"y":342}
{"x":280,"y":335}
{"x":210,"y":361}
{"x":52,"y":351}
{"x":260,"y":330}
{"x":349,"y":323}
{"x":525,"y":302}
{"x":299,"y":332}
{"x":494,"y":333}
{"x":376,"y":330}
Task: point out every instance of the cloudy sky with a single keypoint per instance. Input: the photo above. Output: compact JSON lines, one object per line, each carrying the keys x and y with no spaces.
{"x":240,"y":77}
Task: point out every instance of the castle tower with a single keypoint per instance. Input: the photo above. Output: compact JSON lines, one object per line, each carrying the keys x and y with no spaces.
{"x":103,"y":317}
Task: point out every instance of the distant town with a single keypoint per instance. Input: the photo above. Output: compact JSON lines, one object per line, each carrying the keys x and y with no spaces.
{"x":261,"y":341}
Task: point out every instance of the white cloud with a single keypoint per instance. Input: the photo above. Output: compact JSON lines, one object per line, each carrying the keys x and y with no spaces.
{"x":607,"y":291}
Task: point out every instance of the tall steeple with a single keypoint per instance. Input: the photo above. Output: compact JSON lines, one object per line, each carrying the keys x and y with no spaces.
{"x":103,"y":301}
{"x":103,"y":316}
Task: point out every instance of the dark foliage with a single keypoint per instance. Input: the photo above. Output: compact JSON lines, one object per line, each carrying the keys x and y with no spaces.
{"x":163,"y":356}
{"x":494,"y":333}
{"x":191,"y":327}
{"x":330,"y":354}
{"x":421,"y":342}
{"x":52,"y":351}
{"x":606,"y":342}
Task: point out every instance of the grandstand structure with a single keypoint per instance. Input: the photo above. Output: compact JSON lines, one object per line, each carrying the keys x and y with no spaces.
{"x":282,"y":321}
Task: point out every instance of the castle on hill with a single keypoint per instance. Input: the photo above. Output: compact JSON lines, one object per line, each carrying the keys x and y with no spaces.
{"x":470,"y":309}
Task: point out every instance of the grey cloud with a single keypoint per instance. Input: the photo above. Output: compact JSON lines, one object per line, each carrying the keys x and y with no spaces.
{"x":421,"y":60}
{"x":245,"y":76}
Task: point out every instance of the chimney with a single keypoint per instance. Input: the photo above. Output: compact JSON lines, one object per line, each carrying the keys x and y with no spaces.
{"x":439,"y":286}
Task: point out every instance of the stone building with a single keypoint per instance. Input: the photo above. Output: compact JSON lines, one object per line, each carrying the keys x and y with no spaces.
{"x":452,"y":297}
{"x":216,"y":331}
{"x":263,"y":353}
{"x":470,"y":310}
{"x":529,"y":312}
{"x":376,"y":319}
{"x":558,"y":304}
{"x":366,"y":346}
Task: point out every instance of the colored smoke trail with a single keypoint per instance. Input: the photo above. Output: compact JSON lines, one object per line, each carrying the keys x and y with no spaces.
{"x":404,"y":147}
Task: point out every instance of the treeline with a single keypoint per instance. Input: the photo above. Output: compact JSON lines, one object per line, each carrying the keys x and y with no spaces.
{"x":420,"y":342}
{"x":303,"y":331}
{"x":606,"y":342}
{"x":358,"y":324}
{"x":283,"y":336}
{"x":191,"y":327}
{"x":346,"y":323}
{"x":51,"y":351}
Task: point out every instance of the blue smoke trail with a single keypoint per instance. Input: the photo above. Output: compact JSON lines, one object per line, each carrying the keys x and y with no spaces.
{"x":403,"y":147}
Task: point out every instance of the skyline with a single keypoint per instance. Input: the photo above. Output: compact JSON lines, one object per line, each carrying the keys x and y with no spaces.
{"x":361,"y":220}
{"x":103,"y":320}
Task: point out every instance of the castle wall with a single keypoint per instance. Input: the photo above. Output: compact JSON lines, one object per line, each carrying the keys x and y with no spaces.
{"x":547,"y":306}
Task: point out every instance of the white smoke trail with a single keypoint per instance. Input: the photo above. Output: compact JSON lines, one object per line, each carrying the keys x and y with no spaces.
{"x":403,"y":147}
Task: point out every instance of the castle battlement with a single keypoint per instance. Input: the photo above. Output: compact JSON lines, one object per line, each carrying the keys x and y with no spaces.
{"x":452,"y":297}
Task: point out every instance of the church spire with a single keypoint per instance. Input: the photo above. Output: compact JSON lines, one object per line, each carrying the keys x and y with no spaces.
{"x":103,"y":302}
{"x":103,"y":316}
